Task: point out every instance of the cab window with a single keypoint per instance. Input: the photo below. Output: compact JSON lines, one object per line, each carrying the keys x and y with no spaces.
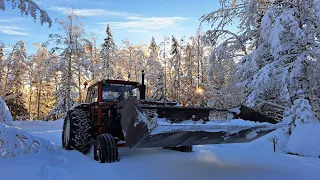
{"x":92,"y":94}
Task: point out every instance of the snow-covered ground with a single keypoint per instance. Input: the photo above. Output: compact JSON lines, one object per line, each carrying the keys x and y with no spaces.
{"x":254,"y":160}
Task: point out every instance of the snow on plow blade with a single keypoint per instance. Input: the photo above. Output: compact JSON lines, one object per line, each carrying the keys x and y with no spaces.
{"x":146,"y":126}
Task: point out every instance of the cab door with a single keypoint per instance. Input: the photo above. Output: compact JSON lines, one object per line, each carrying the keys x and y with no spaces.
{"x":92,"y":99}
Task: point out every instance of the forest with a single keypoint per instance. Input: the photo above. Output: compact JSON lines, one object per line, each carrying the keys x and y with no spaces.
{"x":270,"y":64}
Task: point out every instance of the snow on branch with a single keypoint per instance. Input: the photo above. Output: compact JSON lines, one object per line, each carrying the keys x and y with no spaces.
{"x":28,"y":7}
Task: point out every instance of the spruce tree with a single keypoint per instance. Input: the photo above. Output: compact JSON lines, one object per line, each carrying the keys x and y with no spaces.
{"x":157,"y":90}
{"x":175,"y":64}
{"x":106,"y":54}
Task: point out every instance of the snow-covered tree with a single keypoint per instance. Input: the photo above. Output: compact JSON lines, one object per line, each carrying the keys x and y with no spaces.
{"x":68,"y":64}
{"x":200,"y":51}
{"x":40,"y":86}
{"x":27,"y":7}
{"x":175,"y":64}
{"x":81,"y":63}
{"x":154,"y":70}
{"x":14,"y":89}
{"x":189,"y":77}
{"x":246,"y":14}
{"x":288,"y":49}
{"x":132,"y":60}
{"x":298,"y":114}
{"x":91,"y":53}
{"x":278,"y":48}
{"x":107,"y":51}
{"x":158,"y":88}
{"x":222,"y":92}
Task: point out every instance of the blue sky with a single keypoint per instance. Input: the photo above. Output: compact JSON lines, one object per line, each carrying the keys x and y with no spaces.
{"x":136,"y":20}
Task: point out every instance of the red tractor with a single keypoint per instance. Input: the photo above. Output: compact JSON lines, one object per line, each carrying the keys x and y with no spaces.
{"x":116,"y":114}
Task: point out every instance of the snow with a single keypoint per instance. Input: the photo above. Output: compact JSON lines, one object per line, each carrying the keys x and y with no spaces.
{"x":264,"y":144}
{"x":254,"y":160}
{"x":235,"y":110}
{"x":305,"y":140}
{"x":15,"y":142}
{"x":141,"y":117}
{"x":300,"y":113}
{"x":10,"y":77}
{"x":74,"y":94}
{"x":5,"y":115}
{"x":230,"y":126}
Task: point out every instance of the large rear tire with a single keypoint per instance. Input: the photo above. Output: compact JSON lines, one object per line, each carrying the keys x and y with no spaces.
{"x":105,"y":149}
{"x":76,"y":132}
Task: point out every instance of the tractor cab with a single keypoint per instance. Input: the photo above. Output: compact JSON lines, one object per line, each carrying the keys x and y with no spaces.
{"x":116,"y":92}
{"x":111,"y":91}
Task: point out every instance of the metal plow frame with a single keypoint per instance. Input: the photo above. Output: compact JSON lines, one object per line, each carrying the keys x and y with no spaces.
{"x":142,"y":128}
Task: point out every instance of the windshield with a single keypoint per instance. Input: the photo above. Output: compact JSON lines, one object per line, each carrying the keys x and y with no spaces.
{"x":118,"y":92}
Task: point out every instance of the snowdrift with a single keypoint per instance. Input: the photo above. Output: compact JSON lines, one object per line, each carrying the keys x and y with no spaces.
{"x":14,"y":142}
{"x":5,"y":115}
{"x":265,"y":144}
{"x":304,"y":140}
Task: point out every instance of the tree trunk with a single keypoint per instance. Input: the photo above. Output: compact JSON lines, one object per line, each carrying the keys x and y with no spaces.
{"x":79,"y":83}
{"x":69,"y":82}
{"x":39,"y":99}
{"x":30,"y":98}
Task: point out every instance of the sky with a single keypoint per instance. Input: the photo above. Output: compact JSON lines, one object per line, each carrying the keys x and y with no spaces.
{"x":136,"y":20}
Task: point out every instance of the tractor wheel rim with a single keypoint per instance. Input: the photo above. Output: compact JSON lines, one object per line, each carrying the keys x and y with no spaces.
{"x":67,"y":133}
{"x":98,"y":151}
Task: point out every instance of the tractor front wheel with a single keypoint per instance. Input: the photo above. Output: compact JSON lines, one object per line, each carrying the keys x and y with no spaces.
{"x":76,"y":133}
{"x":105,"y":149}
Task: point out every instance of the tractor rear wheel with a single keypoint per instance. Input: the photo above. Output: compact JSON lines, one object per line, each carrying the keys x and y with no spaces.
{"x":105,"y":149}
{"x":76,"y":133}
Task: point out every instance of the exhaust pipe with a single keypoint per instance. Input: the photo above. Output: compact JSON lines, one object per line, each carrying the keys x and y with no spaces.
{"x":142,"y":88}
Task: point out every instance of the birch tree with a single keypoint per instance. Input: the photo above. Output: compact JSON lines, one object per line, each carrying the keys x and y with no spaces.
{"x":66,"y":93}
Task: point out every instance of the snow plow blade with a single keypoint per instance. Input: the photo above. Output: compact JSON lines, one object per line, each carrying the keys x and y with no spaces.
{"x":147,"y":126}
